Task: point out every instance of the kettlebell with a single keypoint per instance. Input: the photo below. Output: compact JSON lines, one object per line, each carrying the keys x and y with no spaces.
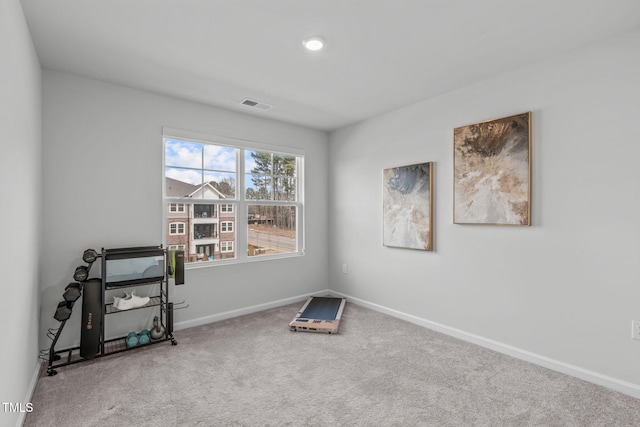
{"x":158,"y":330}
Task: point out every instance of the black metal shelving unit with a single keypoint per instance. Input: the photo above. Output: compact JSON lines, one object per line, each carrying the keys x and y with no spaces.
{"x":161,"y":302}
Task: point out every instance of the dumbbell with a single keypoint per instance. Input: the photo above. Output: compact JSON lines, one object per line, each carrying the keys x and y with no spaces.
{"x":144,"y":337}
{"x":81,"y":274}
{"x":72,"y":292}
{"x":89,"y":256}
{"x":132,"y":339}
{"x":63,"y":312}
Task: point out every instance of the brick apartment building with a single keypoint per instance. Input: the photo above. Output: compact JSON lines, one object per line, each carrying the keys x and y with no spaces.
{"x":204,"y":231}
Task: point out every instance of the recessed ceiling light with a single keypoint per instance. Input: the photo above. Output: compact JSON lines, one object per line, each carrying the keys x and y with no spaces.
{"x":313,"y":43}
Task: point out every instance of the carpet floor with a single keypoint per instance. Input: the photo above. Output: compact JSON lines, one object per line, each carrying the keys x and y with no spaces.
{"x":378,"y":371}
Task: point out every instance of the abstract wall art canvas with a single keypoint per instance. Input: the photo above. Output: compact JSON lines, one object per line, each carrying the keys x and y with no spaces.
{"x":407,"y":201}
{"x":492,"y":172}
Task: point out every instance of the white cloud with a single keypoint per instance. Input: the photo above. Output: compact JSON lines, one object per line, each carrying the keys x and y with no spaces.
{"x":192,"y":154}
{"x":183,"y":154}
{"x":185,"y":175}
{"x":249,"y":161}
{"x":220,"y":158}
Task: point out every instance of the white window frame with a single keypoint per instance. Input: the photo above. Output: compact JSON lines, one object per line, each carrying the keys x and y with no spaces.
{"x":226,"y":208}
{"x":239,"y":204}
{"x":226,"y":226}
{"x":179,"y":208}
{"x":178,"y":224}
{"x":226,"y":246}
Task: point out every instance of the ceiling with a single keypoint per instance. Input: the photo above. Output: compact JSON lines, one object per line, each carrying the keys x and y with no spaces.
{"x":380,"y":54}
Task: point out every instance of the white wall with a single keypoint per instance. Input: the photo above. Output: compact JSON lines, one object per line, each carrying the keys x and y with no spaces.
{"x":565,"y":288}
{"x":103,"y":168}
{"x":20,"y":216}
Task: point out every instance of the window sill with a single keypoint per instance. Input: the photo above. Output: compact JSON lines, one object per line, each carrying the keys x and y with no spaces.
{"x":207,"y":264}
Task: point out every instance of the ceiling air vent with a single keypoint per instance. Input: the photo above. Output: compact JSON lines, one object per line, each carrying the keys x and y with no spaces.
{"x":256,"y":104}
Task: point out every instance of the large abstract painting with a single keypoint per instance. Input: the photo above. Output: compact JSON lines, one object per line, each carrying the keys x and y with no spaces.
{"x":492,"y":172}
{"x":407,"y":201}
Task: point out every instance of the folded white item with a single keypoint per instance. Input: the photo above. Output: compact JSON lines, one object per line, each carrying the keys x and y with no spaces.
{"x":129,"y":301}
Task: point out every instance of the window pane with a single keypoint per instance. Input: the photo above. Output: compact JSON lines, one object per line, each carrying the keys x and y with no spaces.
{"x":182,"y":182}
{"x":270,"y":176}
{"x":271,"y":230}
{"x":218,"y":158}
{"x":258,"y":187}
{"x":285,"y":188}
{"x":183,"y":154}
{"x":258,"y":162}
{"x":224,"y":184}
{"x":284,"y":165}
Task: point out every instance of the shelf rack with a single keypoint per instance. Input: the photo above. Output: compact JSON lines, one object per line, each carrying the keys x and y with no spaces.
{"x":106,"y":347}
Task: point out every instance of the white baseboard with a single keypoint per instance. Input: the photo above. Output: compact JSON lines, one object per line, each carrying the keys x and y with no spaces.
{"x":246,"y":310}
{"x":30,"y":390}
{"x":555,"y":365}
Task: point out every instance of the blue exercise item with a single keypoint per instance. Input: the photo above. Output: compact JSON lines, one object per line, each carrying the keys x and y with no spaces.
{"x":132,"y":339}
{"x":144,"y":337}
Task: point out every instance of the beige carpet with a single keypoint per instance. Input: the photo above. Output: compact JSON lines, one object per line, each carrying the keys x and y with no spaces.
{"x":379,"y":371}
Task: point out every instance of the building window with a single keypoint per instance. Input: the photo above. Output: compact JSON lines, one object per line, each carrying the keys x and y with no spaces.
{"x":176,"y":207}
{"x":228,"y":186}
{"x":176,"y":228}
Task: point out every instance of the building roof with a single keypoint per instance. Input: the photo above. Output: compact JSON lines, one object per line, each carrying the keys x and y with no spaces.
{"x":176,"y":188}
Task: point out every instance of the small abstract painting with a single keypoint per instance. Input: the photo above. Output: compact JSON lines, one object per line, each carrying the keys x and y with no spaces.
{"x":407,"y":200}
{"x":492,"y":172}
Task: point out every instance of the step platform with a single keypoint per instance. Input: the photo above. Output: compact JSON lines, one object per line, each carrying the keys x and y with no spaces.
{"x":319,"y":314}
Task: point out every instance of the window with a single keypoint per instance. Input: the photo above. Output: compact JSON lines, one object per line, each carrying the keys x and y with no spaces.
{"x":176,"y":207}
{"x":229,"y":195}
{"x":176,"y":228}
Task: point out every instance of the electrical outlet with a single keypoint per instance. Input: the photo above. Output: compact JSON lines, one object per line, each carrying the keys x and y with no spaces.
{"x":635,"y":329}
{"x":344,"y":268}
